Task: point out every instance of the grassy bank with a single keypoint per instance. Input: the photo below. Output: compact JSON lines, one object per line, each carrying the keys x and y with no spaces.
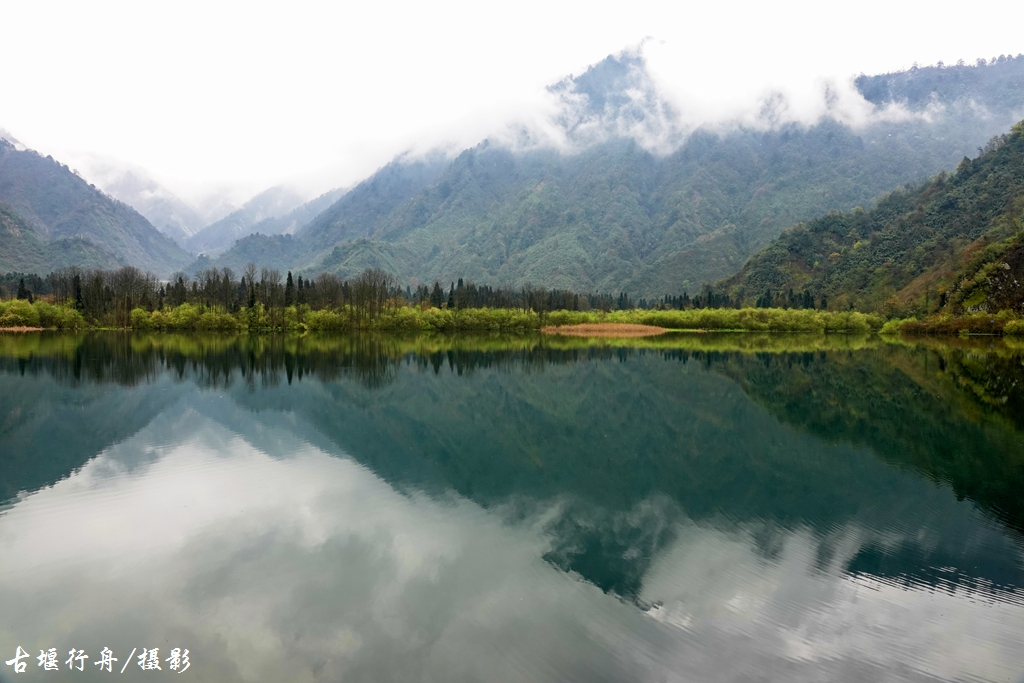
{"x":191,"y":317}
{"x":1002,"y":323}
{"x":197,"y":318}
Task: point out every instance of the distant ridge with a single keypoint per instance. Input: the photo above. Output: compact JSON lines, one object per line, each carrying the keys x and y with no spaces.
{"x":58,"y":204}
{"x":267,"y":205}
{"x":21,"y":249}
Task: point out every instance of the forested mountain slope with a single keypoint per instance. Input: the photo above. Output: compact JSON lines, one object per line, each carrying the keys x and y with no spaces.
{"x":220,"y":235}
{"x":345,"y":219}
{"x":58,"y":204}
{"x":21,"y":249}
{"x":992,"y":85}
{"x":954,"y":243}
{"x":614,"y":216}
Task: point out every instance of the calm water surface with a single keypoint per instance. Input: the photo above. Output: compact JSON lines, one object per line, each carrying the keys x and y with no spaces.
{"x":691,"y":509}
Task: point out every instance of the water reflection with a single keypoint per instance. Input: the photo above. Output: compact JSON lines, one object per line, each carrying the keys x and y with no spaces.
{"x":389,"y":509}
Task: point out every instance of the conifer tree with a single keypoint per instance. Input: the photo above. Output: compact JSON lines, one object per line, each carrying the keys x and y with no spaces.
{"x":289,"y":290}
{"x":76,"y":283}
{"x":437,"y":295}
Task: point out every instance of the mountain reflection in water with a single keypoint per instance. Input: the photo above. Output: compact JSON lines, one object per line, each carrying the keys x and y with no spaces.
{"x":374,"y":508}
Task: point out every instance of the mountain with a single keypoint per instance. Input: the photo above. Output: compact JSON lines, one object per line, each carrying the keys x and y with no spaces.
{"x":21,"y":249}
{"x":343,"y":220}
{"x":269,"y":204}
{"x":290,"y":222}
{"x":634,"y":200}
{"x":993,"y":86}
{"x":59,"y":205}
{"x":954,"y":243}
{"x":168,"y":213}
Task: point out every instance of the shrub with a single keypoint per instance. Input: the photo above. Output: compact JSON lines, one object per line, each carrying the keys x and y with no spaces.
{"x":894,"y":326}
{"x":1014,"y":328}
{"x":140,"y":319}
{"x":18,"y":313}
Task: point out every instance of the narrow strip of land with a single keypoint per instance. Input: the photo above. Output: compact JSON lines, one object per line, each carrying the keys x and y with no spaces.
{"x":604,"y":330}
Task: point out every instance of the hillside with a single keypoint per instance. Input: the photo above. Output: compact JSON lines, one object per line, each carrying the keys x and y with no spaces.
{"x":267,"y":205}
{"x":995,"y":86}
{"x":57,"y":204}
{"x":168,"y":213}
{"x":21,"y":250}
{"x":954,"y":243}
{"x":617,"y":216}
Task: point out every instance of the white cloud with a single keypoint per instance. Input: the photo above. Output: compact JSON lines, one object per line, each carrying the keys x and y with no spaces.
{"x":252,"y":94}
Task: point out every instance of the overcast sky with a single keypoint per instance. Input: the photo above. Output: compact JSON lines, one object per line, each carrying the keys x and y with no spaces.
{"x":247,"y":95}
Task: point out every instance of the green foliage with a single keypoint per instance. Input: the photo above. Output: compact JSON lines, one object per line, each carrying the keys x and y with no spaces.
{"x":141,"y":319}
{"x":58,"y":317}
{"x":18,"y":313}
{"x":892,"y":327}
{"x":952,"y":243}
{"x":195,"y":317}
{"x":1014,"y":328}
{"x":949,"y":324}
{"x":187,"y":317}
{"x":21,"y":313}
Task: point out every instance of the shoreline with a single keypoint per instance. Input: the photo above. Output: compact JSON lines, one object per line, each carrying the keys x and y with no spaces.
{"x":604,"y":330}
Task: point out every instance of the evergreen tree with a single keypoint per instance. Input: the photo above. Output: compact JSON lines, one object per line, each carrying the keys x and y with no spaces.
{"x":451,"y":296}
{"x":437,"y":295}
{"x":76,"y":284}
{"x":22,"y":290}
{"x":289,"y":290}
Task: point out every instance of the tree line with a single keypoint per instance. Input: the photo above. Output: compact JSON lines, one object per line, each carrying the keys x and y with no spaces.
{"x":108,"y":297}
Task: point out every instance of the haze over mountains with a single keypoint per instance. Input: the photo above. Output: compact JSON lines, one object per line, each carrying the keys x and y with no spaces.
{"x":617,"y":213}
{"x":621,"y":189}
{"x":166,"y":211}
{"x":218,"y":236}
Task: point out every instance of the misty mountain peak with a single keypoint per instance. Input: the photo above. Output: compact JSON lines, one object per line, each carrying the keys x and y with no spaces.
{"x":616,"y":97}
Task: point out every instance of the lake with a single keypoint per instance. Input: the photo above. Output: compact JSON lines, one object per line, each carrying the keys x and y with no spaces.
{"x":681,"y":508}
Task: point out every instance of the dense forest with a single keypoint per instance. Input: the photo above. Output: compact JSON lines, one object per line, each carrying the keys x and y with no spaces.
{"x":954,"y":244}
{"x":260,"y":300}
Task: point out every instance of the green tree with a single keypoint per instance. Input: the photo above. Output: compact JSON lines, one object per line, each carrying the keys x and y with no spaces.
{"x":437,"y":295}
{"x":289,"y":290}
